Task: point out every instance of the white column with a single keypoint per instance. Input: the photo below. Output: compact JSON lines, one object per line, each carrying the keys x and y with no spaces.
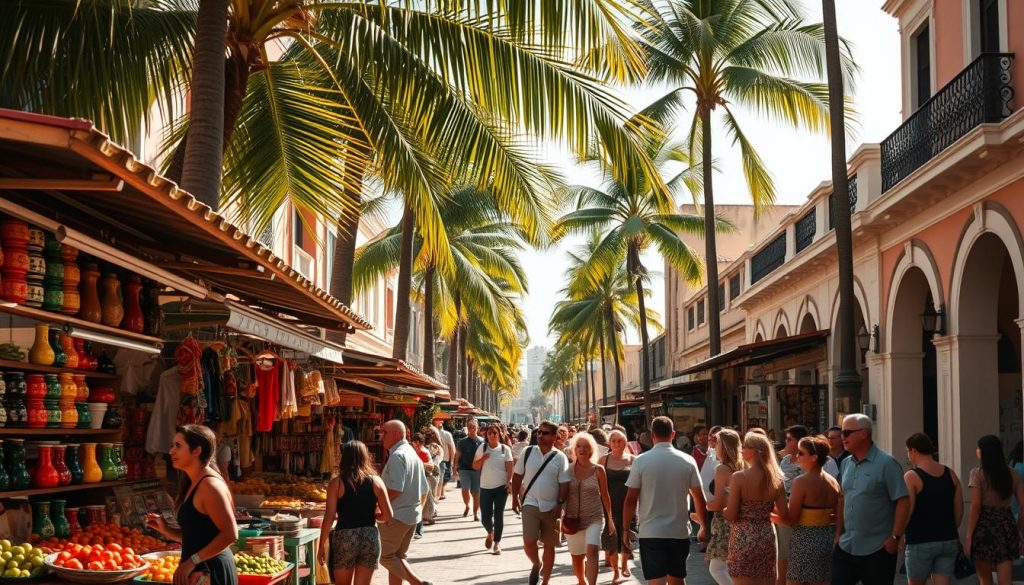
{"x":947,"y":442}
{"x":899,"y":399}
{"x":976,"y":395}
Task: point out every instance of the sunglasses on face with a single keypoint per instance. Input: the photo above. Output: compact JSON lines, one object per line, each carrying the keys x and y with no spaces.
{"x":848,"y":432}
{"x":543,"y":433}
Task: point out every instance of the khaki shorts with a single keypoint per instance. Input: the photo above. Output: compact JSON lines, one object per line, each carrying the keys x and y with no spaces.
{"x":541,"y":526}
{"x":394,"y":544}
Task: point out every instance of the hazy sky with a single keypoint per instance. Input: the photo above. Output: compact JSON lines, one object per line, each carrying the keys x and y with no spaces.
{"x":798,"y":162}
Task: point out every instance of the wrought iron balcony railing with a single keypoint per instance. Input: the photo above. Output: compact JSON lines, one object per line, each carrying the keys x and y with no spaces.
{"x":981,"y":93}
{"x":852,"y":182}
{"x":771,"y":257}
{"x":806,"y":227}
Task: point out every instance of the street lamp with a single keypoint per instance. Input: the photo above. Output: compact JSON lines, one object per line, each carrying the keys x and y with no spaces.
{"x":934,"y":321}
{"x":867,"y":340}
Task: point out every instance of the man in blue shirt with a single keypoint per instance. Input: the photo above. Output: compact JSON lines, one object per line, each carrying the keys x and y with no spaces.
{"x":876,"y":508}
{"x":406,"y":481}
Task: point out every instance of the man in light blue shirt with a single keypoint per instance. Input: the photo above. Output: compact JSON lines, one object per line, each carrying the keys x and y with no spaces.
{"x":406,"y":481}
{"x":876,"y":508}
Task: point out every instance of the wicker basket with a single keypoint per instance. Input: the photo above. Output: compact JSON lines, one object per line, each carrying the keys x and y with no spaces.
{"x":272,"y":546}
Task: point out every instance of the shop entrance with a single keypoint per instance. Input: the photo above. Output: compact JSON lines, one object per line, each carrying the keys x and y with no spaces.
{"x":989,"y":348}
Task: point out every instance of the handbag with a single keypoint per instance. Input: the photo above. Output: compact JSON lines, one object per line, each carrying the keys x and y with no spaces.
{"x":571,"y":524}
{"x":962,"y":567}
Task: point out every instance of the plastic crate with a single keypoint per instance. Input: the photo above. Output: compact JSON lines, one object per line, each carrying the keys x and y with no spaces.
{"x":266,"y":579}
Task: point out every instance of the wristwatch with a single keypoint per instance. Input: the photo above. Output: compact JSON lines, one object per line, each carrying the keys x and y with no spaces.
{"x":195,"y":559}
{"x":894,"y":537}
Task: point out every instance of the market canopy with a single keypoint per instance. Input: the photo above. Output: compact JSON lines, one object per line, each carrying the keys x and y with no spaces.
{"x":375,"y":370}
{"x":761,"y":352}
{"x":92,"y":183}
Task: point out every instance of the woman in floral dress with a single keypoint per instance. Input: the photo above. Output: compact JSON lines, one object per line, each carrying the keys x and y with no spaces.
{"x":993,"y":537}
{"x":729,"y":462}
{"x":753,"y":494}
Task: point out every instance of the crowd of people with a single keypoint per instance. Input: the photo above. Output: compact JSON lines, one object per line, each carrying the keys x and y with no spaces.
{"x":830,"y":508}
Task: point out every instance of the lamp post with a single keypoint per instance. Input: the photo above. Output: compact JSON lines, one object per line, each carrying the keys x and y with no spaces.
{"x":934,"y":321}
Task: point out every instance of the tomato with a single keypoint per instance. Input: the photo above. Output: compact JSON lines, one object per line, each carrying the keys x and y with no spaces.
{"x":63,"y":556}
{"x":95,"y":566}
{"x":74,"y":564}
{"x":115,"y":547}
{"x":128,"y":551}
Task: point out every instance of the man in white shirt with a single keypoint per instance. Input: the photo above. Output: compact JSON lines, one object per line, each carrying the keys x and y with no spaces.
{"x":545,"y":471}
{"x":659,"y":480}
{"x":448,"y":444}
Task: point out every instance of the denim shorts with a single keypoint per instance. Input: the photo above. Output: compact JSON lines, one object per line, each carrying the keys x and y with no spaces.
{"x":931,"y":558}
{"x":470,"y":480}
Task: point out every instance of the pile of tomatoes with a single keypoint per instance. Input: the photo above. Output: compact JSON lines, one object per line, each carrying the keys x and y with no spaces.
{"x":105,"y":535}
{"x":112,"y":557}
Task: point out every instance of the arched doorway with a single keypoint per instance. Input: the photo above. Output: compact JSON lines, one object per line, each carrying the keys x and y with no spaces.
{"x":913,"y":359}
{"x":807,"y":324}
{"x":988,"y":347}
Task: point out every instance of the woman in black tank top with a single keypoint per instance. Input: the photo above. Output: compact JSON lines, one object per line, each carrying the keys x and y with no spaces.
{"x":356,"y":498}
{"x":205,"y":512}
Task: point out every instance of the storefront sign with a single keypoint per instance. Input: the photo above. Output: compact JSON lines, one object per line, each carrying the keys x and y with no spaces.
{"x":685,"y":402}
{"x":248,"y":322}
{"x":350,"y":401}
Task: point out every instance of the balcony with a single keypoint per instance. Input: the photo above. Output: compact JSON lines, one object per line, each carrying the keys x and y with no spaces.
{"x":980,"y":94}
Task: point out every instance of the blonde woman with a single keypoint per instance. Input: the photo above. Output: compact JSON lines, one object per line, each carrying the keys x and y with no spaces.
{"x":617,"y":464}
{"x":586,"y":508}
{"x":753,"y":494}
{"x":729,"y":462}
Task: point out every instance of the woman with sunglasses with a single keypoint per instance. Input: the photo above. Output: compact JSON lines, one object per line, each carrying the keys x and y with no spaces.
{"x":753,"y":494}
{"x":813,"y":508}
{"x":493,"y":461}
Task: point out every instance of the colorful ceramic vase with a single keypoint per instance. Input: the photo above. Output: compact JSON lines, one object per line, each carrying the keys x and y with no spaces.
{"x":107,"y":464}
{"x":70,"y":355}
{"x":73,"y":463}
{"x":154,"y":311}
{"x":74,"y":519}
{"x":57,"y":452}
{"x":133,"y":318}
{"x":60,"y":360}
{"x":35,"y":387}
{"x":111,"y":300}
{"x":41,"y":523}
{"x":14,"y":453}
{"x":90,"y":309}
{"x":36,"y":239}
{"x":14,"y":399}
{"x":45,"y":474}
{"x":92,"y":473}
{"x":72,"y":276}
{"x":41,"y":353}
{"x":61,"y":526}
{"x":5,"y":480}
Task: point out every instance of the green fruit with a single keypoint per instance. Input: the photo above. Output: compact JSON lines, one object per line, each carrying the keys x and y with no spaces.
{"x":12,"y":573}
{"x":6,"y":556}
{"x":25,"y":573}
{"x":17,"y":550}
{"x":13,"y":564}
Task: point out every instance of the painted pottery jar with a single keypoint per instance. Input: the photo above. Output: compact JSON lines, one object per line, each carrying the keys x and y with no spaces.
{"x":60,"y":464}
{"x":36,"y":239}
{"x":111,"y":300}
{"x":70,"y":355}
{"x":60,"y":360}
{"x":90,"y":467}
{"x":36,"y":294}
{"x":36,"y":266}
{"x":68,"y":416}
{"x":14,"y":399}
{"x":74,"y":518}
{"x":37,"y":415}
{"x":112,"y":419}
{"x":14,"y":287}
{"x":41,"y":353}
{"x":53,"y":296}
{"x":84,"y":416}
{"x":107,"y":464}
{"x":45,"y":475}
{"x":72,"y":276}
{"x":83,"y":388}
{"x":61,"y":526}
{"x":35,"y":387}
{"x":5,"y":480}
{"x":68,"y":388}
{"x":14,"y":454}
{"x":14,"y":232}
{"x":133,"y":317}
{"x":72,"y":461}
{"x":53,"y":388}
{"x":41,"y":522}
{"x":90,"y":309}
{"x":15,"y":259}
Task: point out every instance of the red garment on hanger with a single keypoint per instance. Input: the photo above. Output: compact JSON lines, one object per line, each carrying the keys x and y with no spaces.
{"x":268,"y":385}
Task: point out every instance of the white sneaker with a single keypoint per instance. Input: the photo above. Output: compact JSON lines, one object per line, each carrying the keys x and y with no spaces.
{"x":497,"y":549}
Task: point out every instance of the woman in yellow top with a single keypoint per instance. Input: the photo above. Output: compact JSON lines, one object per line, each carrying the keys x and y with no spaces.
{"x":814,"y":506}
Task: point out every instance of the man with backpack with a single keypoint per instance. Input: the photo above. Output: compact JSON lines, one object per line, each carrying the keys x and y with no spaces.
{"x":545,"y":471}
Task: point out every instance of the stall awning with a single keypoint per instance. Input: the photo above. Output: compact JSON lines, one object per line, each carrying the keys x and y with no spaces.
{"x":98,"y":188}
{"x":363,"y":368}
{"x":761,"y":352}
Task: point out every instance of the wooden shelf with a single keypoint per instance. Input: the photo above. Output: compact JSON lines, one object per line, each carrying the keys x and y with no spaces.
{"x":23,"y":432}
{"x":69,"y":488}
{"x":28,"y":367}
{"x":50,"y":317}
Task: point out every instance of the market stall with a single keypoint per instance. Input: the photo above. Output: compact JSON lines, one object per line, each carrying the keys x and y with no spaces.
{"x":96,"y":373}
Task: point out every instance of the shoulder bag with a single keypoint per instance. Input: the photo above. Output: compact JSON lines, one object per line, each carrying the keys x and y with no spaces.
{"x":539,"y":471}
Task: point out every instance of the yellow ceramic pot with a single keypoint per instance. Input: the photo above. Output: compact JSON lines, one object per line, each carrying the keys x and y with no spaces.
{"x":41,"y":352}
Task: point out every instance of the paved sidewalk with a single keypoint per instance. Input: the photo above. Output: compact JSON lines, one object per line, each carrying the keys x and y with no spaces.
{"x":452,"y":552}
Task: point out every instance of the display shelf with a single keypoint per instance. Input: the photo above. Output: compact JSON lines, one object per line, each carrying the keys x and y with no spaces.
{"x":29,"y":367}
{"x":69,"y":488}
{"x":24,"y":432}
{"x":50,"y":317}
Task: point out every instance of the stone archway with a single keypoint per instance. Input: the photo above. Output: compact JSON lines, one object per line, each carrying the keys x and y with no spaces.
{"x":913,"y":404}
{"x":807,"y":324}
{"x":985,"y":334}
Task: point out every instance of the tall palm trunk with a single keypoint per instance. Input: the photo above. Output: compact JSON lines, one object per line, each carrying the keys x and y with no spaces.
{"x":428,"y":321}
{"x":636,"y":273}
{"x":593,"y":392}
{"x":847,"y":382}
{"x":403,"y":297}
{"x":604,"y":365}
{"x":464,"y":361}
{"x":204,"y":168}
{"x":453,"y":354}
{"x":711,"y":259}
{"x":615,"y":360}
{"x":236,"y":85}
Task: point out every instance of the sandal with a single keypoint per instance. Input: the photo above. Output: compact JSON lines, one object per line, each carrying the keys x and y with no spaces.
{"x":625,"y":571}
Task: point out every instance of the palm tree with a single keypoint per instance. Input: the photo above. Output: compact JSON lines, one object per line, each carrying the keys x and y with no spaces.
{"x":630,"y":220}
{"x":203,"y":158}
{"x":560,"y":371}
{"x":308,"y":125}
{"x":483,"y":245}
{"x":755,"y":53}
{"x":847,"y":380}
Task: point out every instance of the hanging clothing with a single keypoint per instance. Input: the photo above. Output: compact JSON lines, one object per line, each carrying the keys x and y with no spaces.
{"x":135,"y":368}
{"x":164,"y":419}
{"x":245,"y":433}
{"x":188,"y":355}
{"x":268,"y":383}
{"x":289,"y":404}
{"x":213,"y":387}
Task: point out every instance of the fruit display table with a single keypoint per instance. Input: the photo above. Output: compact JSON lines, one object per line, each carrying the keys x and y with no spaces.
{"x":306,"y":538}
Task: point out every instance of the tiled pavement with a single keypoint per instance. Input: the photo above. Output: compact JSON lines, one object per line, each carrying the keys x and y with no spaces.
{"x":451,"y":552}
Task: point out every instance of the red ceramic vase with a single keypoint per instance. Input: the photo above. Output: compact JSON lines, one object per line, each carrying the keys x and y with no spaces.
{"x":46,"y":475}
